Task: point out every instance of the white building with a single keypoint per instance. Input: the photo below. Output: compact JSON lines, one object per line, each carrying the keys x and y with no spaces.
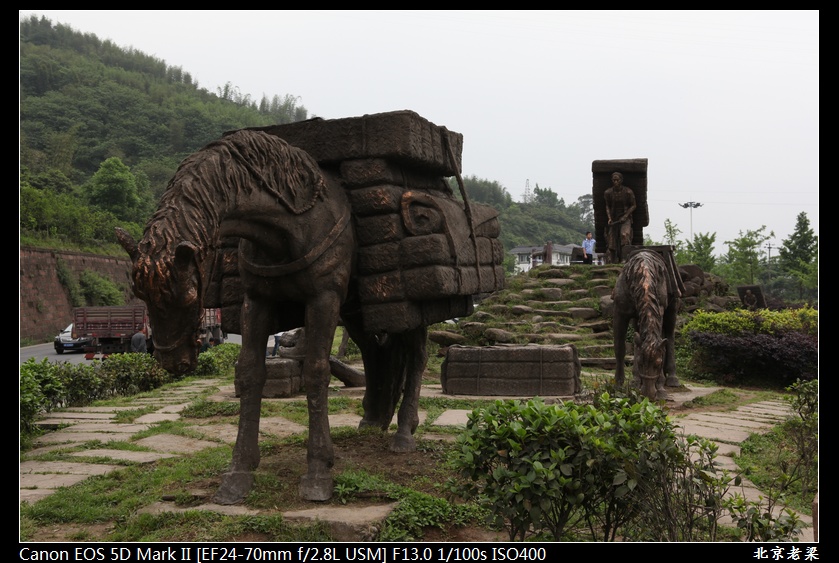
{"x":557,"y":254}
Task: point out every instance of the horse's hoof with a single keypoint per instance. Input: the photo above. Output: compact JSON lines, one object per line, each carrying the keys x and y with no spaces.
{"x":316,"y":488}
{"x":234,"y":487}
{"x":662,"y":395}
{"x":401,"y":443}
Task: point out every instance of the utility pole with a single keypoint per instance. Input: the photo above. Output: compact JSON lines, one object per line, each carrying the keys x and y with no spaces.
{"x":692,"y":205}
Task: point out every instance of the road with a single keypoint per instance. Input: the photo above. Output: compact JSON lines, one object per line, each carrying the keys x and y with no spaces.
{"x":41,"y":351}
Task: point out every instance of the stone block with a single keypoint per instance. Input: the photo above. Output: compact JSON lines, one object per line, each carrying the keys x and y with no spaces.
{"x":378,"y":258}
{"x":356,"y":173}
{"x":511,"y":370}
{"x":401,"y":136}
{"x":284,"y":378}
{"x":377,"y":229}
{"x":376,"y":200}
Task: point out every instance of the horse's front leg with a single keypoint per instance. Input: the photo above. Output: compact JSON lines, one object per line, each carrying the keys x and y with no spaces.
{"x":250,"y":374}
{"x":416,"y":357}
{"x":321,"y":321}
{"x":669,"y":332}
{"x":620,"y":322}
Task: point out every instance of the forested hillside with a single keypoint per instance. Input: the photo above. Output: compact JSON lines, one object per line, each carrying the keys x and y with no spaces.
{"x":544,"y":216}
{"x":103,"y":128}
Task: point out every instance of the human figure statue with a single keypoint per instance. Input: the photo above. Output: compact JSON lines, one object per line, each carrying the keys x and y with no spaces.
{"x":138,"y":343}
{"x":588,"y":248}
{"x":750,"y":300}
{"x":620,"y":204}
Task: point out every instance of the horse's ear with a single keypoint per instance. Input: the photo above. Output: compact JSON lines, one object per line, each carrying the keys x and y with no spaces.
{"x":186,"y":272}
{"x":127,"y":242}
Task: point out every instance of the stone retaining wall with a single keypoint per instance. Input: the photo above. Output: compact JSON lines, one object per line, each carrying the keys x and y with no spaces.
{"x":45,"y":307}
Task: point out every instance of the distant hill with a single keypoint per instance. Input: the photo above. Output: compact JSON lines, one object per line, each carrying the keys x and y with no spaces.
{"x":103,"y":129}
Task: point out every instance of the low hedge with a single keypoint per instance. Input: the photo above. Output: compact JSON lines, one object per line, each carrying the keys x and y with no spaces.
{"x":45,"y":385}
{"x":763,"y":346}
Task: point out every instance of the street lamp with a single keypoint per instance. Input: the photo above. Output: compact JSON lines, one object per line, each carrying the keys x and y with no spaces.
{"x":692,"y":205}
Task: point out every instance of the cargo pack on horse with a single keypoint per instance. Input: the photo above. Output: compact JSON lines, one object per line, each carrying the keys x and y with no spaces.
{"x":296,"y":258}
{"x":646,"y":295}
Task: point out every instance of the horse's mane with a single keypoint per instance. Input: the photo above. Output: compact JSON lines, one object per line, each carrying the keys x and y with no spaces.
{"x":645,"y":272}
{"x":210,"y":182}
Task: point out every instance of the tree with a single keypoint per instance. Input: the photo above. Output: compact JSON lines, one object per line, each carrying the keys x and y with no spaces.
{"x":114,"y":188}
{"x":671,"y":234}
{"x":799,"y":249}
{"x":484,"y":191}
{"x":546,"y":197}
{"x":584,"y":208}
{"x":700,"y":251}
{"x":671,"y":237}
{"x":742,"y":264}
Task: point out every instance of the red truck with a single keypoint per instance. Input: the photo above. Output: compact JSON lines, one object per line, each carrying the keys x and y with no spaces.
{"x":211,"y":326}
{"x":110,"y":328}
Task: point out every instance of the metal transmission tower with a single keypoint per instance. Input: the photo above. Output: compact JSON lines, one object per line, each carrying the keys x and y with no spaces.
{"x":528,"y":197}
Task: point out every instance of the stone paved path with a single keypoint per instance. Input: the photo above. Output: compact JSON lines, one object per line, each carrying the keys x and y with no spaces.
{"x":77,"y":426}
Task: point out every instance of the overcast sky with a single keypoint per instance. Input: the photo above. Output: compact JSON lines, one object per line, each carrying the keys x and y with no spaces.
{"x":724,"y":104}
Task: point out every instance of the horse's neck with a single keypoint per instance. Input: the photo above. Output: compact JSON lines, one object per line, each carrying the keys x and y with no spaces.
{"x":196,"y":221}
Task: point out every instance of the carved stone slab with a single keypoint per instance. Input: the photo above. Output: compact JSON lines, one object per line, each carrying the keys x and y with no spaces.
{"x":511,"y":370}
{"x":400,"y":136}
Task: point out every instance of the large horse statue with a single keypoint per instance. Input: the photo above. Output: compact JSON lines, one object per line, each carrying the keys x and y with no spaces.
{"x":645,"y":296}
{"x":296,"y":260}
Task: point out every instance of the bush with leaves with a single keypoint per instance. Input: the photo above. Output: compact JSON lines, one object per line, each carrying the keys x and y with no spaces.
{"x":750,"y":346}
{"x":803,"y":431}
{"x":756,"y":358}
{"x":553,"y":468}
{"x":218,"y":360}
{"x":133,"y":373}
{"x":84,"y":383}
{"x":32,"y":400}
{"x":99,"y":290}
{"x":763,"y":321}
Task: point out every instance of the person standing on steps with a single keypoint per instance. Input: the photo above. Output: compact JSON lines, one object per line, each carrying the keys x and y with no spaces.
{"x":588,"y":248}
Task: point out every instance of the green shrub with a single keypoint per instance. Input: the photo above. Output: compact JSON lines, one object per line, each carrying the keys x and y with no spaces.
{"x":66,"y":278}
{"x":546,"y":468}
{"x":31,"y":397}
{"x":49,"y":382}
{"x":99,"y":290}
{"x":763,"y":321}
{"x":753,"y":346}
{"x":756,"y":358}
{"x":218,"y":360}
{"x":599,"y":470}
{"x":133,"y":373}
{"x":84,"y":383}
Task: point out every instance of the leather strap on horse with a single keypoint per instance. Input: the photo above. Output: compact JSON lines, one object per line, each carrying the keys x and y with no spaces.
{"x":467,"y":207}
{"x":294,"y":266}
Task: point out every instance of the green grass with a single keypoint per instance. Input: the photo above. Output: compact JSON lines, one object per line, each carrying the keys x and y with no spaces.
{"x":767,"y":460}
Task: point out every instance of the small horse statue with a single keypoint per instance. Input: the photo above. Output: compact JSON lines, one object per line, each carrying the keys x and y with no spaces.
{"x":297,"y":254}
{"x":643,"y":295}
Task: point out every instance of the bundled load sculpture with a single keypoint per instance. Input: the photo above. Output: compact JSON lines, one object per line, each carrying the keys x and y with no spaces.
{"x":309,"y":224}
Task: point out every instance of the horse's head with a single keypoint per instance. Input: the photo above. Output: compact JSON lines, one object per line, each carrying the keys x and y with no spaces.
{"x":649,"y":362}
{"x":171,"y":288}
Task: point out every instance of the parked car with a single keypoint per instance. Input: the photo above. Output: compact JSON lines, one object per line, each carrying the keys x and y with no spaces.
{"x":65,"y":341}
